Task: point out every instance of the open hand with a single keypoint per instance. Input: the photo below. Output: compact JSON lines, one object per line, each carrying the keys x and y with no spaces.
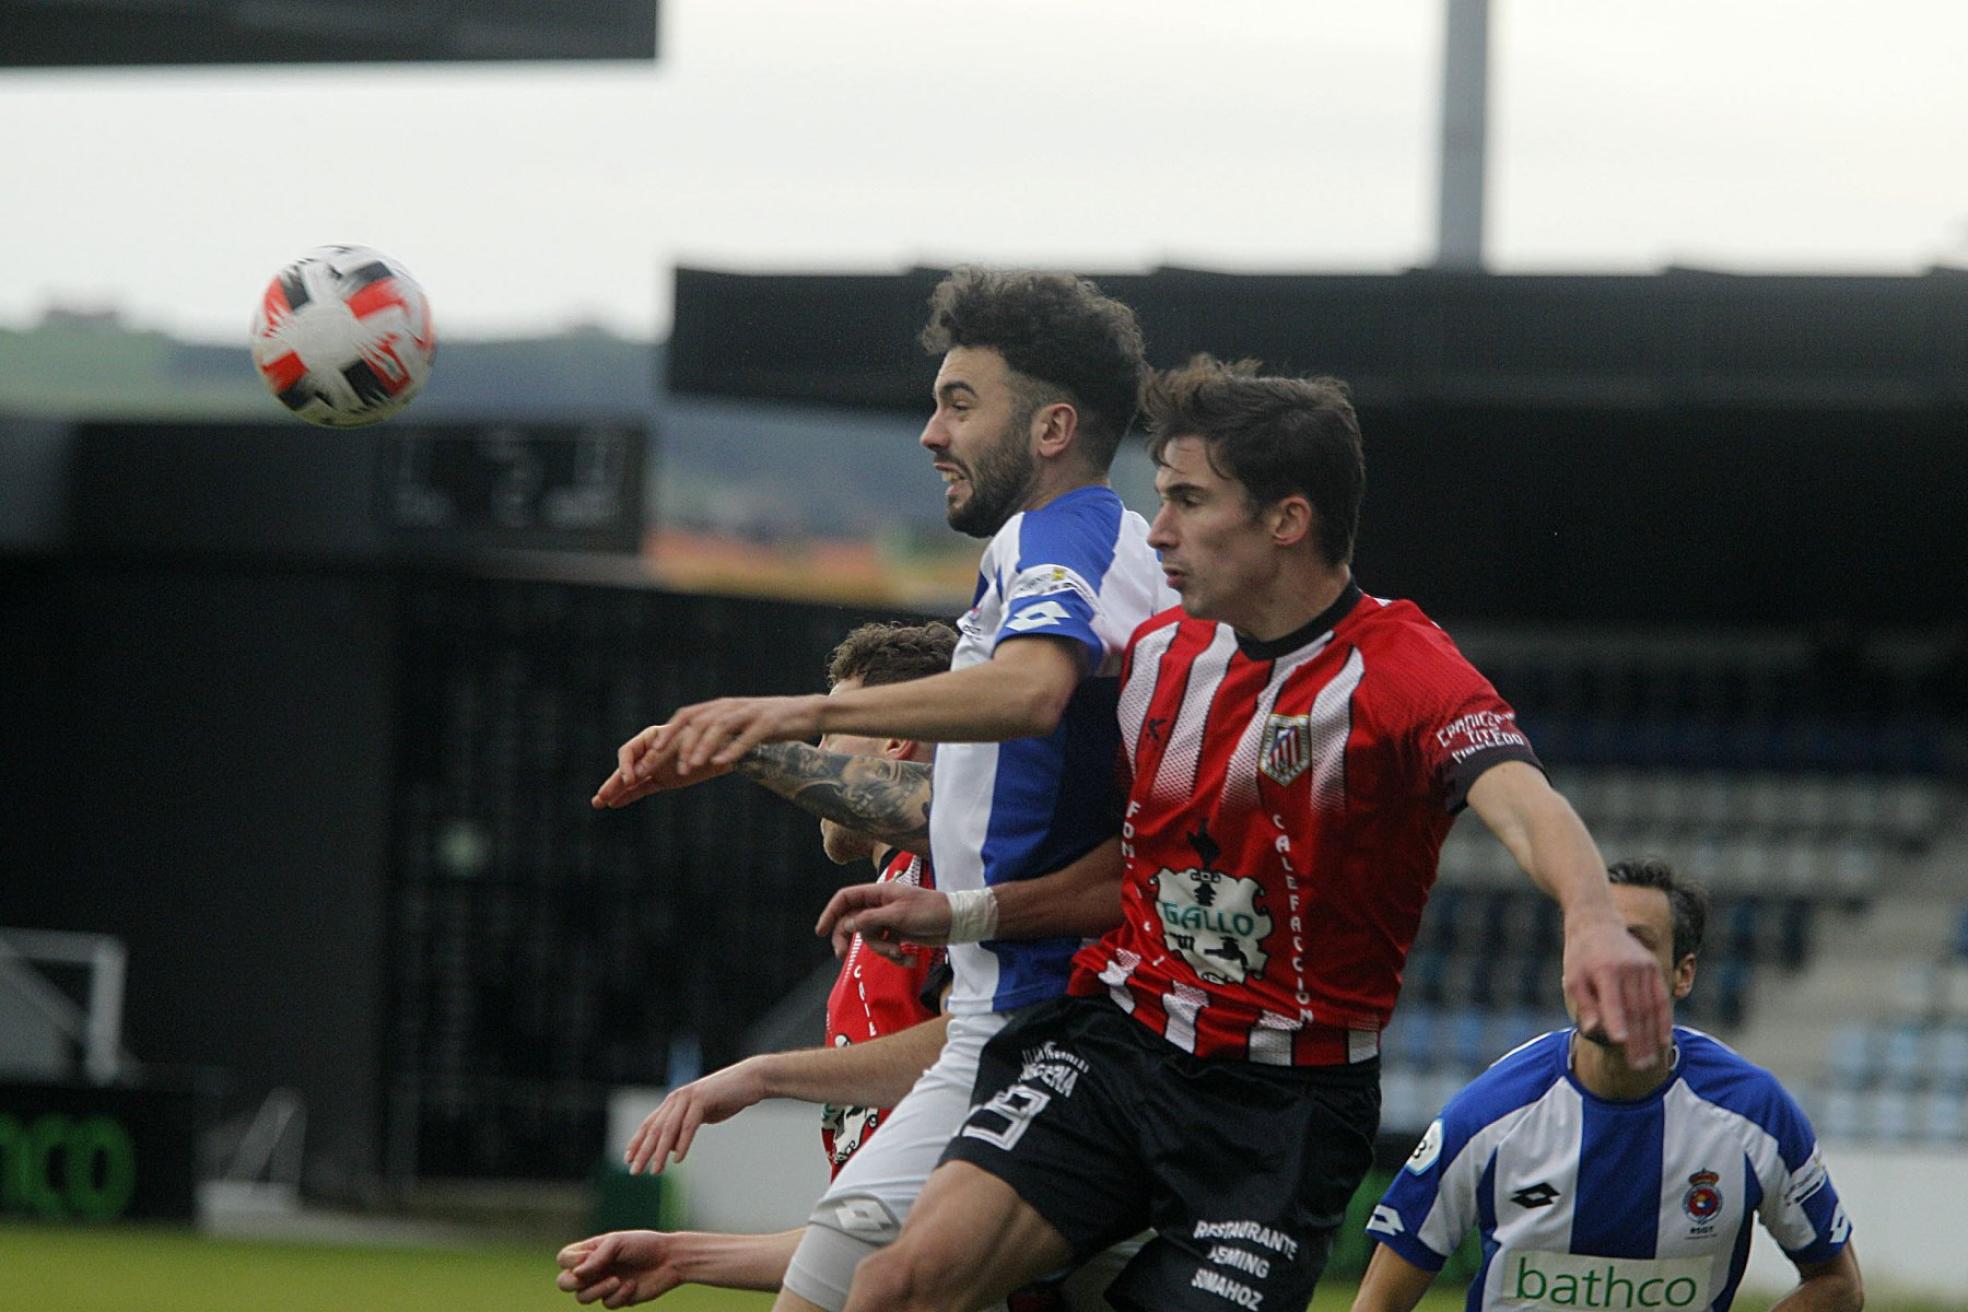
{"x":1615,"y":986}
{"x":666,"y":1133}
{"x":888,"y":916}
{"x":647,"y":764}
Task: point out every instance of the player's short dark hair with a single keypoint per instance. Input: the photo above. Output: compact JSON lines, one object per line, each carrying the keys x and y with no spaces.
{"x":892,"y":653}
{"x":1687,"y":899}
{"x":1276,"y":436}
{"x":1062,"y":334}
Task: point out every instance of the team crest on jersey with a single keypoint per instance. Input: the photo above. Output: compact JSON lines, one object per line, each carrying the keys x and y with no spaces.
{"x":1287,"y":747}
{"x":1216,"y":921}
{"x":1703,"y":1201}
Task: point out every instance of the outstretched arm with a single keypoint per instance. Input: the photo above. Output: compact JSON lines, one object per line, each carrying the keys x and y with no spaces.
{"x":1612,"y":981}
{"x":873,"y":1074}
{"x":885,"y":799}
{"x":1019,"y":693}
{"x":1082,"y":899}
{"x":888,"y":800}
{"x":635,"y":1266}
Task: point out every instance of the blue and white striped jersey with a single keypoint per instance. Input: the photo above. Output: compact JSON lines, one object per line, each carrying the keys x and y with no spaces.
{"x":1585,"y":1203}
{"x":1078,"y":567}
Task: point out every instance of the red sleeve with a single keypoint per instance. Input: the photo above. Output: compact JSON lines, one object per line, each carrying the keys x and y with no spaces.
{"x":1461,"y":726}
{"x":929,"y":970}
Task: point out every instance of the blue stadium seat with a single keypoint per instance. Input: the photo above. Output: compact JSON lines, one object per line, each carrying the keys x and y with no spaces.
{"x":1738,"y":926}
{"x":1510,"y":1027}
{"x":1422,"y":979}
{"x":1840,"y":1114}
{"x":1891,"y":1116}
{"x":1731,"y":993}
{"x":1411,"y":1037}
{"x":1469,"y":1039}
{"x":1950,"y":1058}
{"x":1442,"y":926}
{"x":1793,"y":941}
{"x":1903,"y":1056}
{"x":1942,"y":1116}
{"x":1851,"y":1056}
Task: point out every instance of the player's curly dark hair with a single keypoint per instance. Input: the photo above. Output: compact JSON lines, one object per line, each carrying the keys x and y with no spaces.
{"x":892,"y":653}
{"x":1274,"y":435}
{"x":1687,"y":899}
{"x":1058,"y":331}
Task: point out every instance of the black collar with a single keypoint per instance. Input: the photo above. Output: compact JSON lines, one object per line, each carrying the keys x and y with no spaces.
{"x":1328,"y":618}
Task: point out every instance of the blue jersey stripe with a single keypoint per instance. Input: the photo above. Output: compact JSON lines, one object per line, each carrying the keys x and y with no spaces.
{"x":1486,"y":1221}
{"x":1076,"y":568}
{"x":1067,"y":778}
{"x":1739,"y":1259}
{"x":1617,"y":1213}
{"x":1079,"y":529}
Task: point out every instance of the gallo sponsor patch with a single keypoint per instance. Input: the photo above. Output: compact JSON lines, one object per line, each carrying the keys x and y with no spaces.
{"x":1216,"y":922}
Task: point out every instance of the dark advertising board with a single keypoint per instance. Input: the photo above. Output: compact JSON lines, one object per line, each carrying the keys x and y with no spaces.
{"x":78,"y":1153}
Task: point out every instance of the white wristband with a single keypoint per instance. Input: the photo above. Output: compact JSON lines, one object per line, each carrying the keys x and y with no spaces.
{"x":973,"y":914}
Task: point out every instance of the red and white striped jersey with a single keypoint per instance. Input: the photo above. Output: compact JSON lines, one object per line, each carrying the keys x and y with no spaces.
{"x":1287,"y":807}
{"x":873,"y":996}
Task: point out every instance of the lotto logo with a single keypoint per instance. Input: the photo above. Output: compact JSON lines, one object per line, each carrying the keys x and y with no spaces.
{"x":866,"y":1216}
{"x":1043,"y":615}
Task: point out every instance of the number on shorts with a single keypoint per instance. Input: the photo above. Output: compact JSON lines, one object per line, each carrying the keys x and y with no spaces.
{"x":1018,"y":1105}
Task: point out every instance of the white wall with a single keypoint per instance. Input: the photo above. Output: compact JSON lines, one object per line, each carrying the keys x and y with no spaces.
{"x":1909,"y":1210}
{"x":758,"y":1172}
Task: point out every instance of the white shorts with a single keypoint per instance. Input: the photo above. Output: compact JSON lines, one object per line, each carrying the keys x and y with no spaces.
{"x":869,"y":1200}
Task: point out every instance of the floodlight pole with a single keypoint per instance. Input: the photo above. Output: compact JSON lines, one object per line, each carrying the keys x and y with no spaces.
{"x":1465,"y":135}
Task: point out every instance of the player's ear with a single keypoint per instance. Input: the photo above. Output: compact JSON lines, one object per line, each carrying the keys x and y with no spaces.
{"x":1054,"y":427}
{"x":899,"y":749}
{"x":1683,"y":981}
{"x":1290,"y":520}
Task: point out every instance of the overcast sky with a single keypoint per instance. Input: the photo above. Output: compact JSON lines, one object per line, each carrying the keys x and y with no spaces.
{"x":853,"y":135}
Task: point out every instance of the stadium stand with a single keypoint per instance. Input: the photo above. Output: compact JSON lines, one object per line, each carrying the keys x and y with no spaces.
{"x":1803,"y":789}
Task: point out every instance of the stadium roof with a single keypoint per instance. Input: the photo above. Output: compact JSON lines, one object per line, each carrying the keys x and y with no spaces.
{"x":134,"y":33}
{"x":1628,"y":342}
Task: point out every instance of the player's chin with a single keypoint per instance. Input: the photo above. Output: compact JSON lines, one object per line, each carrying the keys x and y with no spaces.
{"x":1597,"y":1035}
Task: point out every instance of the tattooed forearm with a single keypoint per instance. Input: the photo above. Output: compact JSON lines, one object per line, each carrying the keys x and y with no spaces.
{"x":887,"y":800}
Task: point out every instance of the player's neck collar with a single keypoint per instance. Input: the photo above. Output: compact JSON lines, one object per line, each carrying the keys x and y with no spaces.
{"x":1576,"y":1043}
{"x":1329,"y":618}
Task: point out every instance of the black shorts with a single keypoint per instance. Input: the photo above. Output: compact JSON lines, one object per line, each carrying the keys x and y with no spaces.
{"x":1243,"y":1171}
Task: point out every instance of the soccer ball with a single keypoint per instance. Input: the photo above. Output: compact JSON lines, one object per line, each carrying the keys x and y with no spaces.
{"x":343,"y":336}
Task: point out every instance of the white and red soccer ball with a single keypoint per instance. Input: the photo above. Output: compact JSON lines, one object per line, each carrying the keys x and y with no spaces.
{"x":343,"y":336}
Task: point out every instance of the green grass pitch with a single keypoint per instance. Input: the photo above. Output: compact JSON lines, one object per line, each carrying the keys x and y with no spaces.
{"x":138,"y":1269}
